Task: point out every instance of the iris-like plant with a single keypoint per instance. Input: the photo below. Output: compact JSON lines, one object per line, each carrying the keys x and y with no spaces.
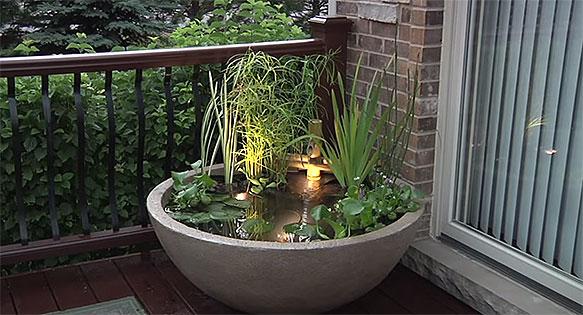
{"x":397,"y":130}
{"x":221,"y":114}
{"x":351,"y":154}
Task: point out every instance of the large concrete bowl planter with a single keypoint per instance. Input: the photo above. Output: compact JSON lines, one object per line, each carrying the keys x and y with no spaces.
{"x":272,"y":277}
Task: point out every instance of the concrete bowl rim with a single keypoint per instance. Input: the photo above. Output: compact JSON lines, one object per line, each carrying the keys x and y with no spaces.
{"x":157,"y":213}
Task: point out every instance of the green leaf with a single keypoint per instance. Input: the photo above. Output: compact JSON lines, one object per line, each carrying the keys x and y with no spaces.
{"x":306,"y":230}
{"x":179,"y":177}
{"x":291,"y":228}
{"x":225,"y":214}
{"x":213,"y":206}
{"x":271,"y":185}
{"x":352,"y":192}
{"x":196,"y":165}
{"x":257,"y":226}
{"x":320,"y":212}
{"x":219,"y":197}
{"x":351,"y":206}
{"x":256,"y":190}
{"x":339,"y":230}
{"x":242,"y":204}
{"x":206,"y":180}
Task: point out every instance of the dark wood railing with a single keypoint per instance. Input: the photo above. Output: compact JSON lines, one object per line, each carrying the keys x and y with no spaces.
{"x":329,"y":34}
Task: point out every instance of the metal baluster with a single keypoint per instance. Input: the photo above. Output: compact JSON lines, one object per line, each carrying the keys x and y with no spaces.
{"x":111,"y":153}
{"x":170,"y":118}
{"x":141,"y":139}
{"x":82,"y":195}
{"x":17,"y":151}
{"x":46,"y":102}
{"x":197,"y":104}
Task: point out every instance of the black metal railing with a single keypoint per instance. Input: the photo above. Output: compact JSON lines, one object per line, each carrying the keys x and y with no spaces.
{"x":330,"y":34}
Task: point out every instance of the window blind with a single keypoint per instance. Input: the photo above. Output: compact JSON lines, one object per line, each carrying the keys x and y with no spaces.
{"x":522,"y":177}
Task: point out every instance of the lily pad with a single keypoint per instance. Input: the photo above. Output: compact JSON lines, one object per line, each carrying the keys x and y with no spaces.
{"x":242,"y":204}
{"x":225,"y":214}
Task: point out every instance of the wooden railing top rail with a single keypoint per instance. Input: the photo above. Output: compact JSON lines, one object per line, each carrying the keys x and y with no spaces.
{"x":153,"y":58}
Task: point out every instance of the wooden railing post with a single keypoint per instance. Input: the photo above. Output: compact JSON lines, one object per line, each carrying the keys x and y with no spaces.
{"x":333,"y":30}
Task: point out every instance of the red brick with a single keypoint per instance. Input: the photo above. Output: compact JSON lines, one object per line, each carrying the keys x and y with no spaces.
{"x":427,"y":72}
{"x":425,"y":17}
{"x":353,"y":55}
{"x":369,"y":43}
{"x":426,"y":106}
{"x":361,"y":26}
{"x":424,"y":124}
{"x":420,"y":158}
{"x":429,"y":88}
{"x":427,"y":3}
{"x":378,"y":61}
{"x":423,"y":141}
{"x":385,"y":30}
{"x":405,"y":15}
{"x":389,"y":46}
{"x":403,"y":33}
{"x":424,"y":36}
{"x":425,"y":54}
{"x":417,"y":174}
{"x":402,"y":49}
{"x":351,"y":42}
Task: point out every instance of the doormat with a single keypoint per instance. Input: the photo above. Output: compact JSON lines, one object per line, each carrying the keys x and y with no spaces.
{"x":124,"y":306}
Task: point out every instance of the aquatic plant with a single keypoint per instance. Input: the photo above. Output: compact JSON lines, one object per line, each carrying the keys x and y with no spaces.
{"x":356,"y":214}
{"x":275,"y":98}
{"x":351,"y":154}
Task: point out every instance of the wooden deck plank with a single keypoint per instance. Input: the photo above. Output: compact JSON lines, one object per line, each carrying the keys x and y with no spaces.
{"x":375,"y":302}
{"x":402,"y":285}
{"x":106,"y":280}
{"x":6,"y":304}
{"x":153,"y":291}
{"x":69,"y":287}
{"x":32,"y":294}
{"x":196,"y":299}
{"x":350,"y":308}
{"x":161,"y":288}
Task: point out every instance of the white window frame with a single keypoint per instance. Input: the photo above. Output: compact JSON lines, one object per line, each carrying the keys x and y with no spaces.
{"x":454,"y":57}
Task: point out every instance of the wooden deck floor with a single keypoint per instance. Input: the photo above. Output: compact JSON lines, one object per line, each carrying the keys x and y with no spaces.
{"x":162,"y":289}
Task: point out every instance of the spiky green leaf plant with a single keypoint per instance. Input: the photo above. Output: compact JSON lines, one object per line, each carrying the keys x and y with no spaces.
{"x":222,"y":115}
{"x":352,"y":155}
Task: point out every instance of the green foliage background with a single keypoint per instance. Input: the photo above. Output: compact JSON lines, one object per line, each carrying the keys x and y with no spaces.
{"x":109,"y":23}
{"x":32,"y":129}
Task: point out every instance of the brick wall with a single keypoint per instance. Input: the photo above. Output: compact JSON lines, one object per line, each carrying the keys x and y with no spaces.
{"x":413,"y":28}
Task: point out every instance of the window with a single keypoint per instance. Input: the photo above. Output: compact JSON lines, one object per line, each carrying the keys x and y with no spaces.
{"x":517,"y":141}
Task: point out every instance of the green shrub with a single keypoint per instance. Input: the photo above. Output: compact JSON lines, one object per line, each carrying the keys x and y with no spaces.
{"x":34,"y":157}
{"x":253,"y":21}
